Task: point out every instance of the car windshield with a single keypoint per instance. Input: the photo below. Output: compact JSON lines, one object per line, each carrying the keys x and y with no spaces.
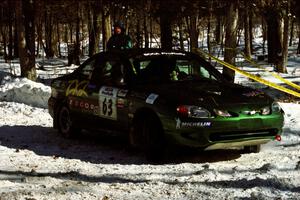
{"x":172,"y":68}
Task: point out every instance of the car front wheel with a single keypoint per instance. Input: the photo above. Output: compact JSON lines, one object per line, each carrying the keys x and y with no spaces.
{"x":147,"y":134}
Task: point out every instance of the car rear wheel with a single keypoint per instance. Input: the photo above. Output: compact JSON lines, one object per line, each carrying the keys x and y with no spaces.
{"x":147,"y":134}
{"x":252,"y":149}
{"x":65,"y":125}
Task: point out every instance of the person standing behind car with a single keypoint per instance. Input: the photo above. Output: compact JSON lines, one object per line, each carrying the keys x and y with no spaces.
{"x":119,"y":40}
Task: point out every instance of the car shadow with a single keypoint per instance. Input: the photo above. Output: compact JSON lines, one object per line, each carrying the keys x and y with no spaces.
{"x":98,"y":148}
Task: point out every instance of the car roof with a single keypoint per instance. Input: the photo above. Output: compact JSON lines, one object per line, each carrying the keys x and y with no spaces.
{"x":145,"y":51}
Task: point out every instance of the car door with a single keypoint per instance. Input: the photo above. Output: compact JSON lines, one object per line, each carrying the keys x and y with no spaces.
{"x":108,"y":91}
{"x":79,"y":90}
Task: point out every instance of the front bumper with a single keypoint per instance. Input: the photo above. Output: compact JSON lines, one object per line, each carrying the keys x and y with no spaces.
{"x":219,"y":133}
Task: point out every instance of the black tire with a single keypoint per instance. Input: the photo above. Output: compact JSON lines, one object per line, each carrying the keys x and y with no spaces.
{"x":252,"y":149}
{"x":135,"y":136}
{"x":65,"y":124}
{"x":147,"y":134}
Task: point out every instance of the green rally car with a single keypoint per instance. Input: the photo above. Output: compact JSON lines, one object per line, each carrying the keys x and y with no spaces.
{"x":159,"y":97}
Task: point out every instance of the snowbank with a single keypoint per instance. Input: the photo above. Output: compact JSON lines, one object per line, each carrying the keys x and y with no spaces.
{"x":22,"y":90}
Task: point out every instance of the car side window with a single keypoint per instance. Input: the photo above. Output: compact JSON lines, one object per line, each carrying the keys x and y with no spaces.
{"x":193,"y":67}
{"x":111,"y":72}
{"x":107,"y":69}
{"x":87,"y":68}
{"x":206,"y":74}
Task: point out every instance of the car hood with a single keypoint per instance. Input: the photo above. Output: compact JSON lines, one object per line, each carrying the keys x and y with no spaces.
{"x":211,"y":92}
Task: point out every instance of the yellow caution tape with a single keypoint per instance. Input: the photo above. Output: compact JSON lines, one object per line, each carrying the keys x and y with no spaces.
{"x":251,"y":76}
{"x":276,"y":75}
{"x":272,"y":73}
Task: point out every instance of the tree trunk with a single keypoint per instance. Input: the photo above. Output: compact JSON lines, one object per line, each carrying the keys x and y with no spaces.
{"x":26,"y":39}
{"x":151,"y":33}
{"x":166,"y":32}
{"x":264,"y":33}
{"x":3,"y":34}
{"x":92,"y":34}
{"x":48,"y":33}
{"x":16,"y":40}
{"x":230,"y":40}
{"x":106,"y":26}
{"x":273,"y":35}
{"x":250,"y":30}
{"x":247,"y":30}
{"x":165,"y":25}
{"x":37,"y":48}
{"x":146,"y":32}
{"x":66,"y":38}
{"x":77,"y":44}
{"x":208,"y":30}
{"x":96,"y":24}
{"x":298,"y":49}
{"x":10,"y":37}
{"x":71,"y":33}
{"x":194,"y":33}
{"x":97,"y":39}
{"x":292,"y":32}
{"x":138,"y":34}
{"x":54,"y":44}
{"x":181,"y":35}
{"x":82,"y":39}
{"x":58,"y":39}
{"x":40,"y":36}
{"x":39,"y":26}
{"x":218,"y":30}
{"x":285,"y":40}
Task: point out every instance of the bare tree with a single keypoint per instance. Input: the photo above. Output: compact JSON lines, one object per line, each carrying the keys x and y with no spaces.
{"x":247,"y":30}
{"x":26,"y":37}
{"x":94,"y":11}
{"x":283,"y":61}
{"x":106,"y":25}
{"x":230,"y":39}
{"x":166,"y":16}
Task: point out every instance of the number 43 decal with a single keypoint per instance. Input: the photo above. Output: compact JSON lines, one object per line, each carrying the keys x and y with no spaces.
{"x":107,"y":102}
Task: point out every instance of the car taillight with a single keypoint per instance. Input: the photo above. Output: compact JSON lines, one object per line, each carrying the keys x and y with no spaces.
{"x":183,"y":110}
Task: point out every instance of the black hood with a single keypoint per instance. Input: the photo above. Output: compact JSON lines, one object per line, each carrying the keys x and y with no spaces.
{"x":210,"y":92}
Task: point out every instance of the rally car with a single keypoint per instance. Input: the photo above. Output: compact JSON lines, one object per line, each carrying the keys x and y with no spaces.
{"x":163,"y":97}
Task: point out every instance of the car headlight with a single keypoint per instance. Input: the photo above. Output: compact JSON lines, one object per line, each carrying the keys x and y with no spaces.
{"x":276,"y":107}
{"x":265,"y":111}
{"x":193,"y":111}
{"x":222,"y":113}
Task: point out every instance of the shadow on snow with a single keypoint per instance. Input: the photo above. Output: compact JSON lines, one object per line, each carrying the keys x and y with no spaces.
{"x":98,"y":148}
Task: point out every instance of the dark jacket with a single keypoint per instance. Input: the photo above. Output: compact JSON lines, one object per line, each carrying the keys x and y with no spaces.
{"x":120,"y":41}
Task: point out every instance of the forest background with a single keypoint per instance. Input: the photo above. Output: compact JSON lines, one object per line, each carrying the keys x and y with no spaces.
{"x":73,"y":28}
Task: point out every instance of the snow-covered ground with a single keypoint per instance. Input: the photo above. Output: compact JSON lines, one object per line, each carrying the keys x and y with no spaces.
{"x":37,"y":163}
